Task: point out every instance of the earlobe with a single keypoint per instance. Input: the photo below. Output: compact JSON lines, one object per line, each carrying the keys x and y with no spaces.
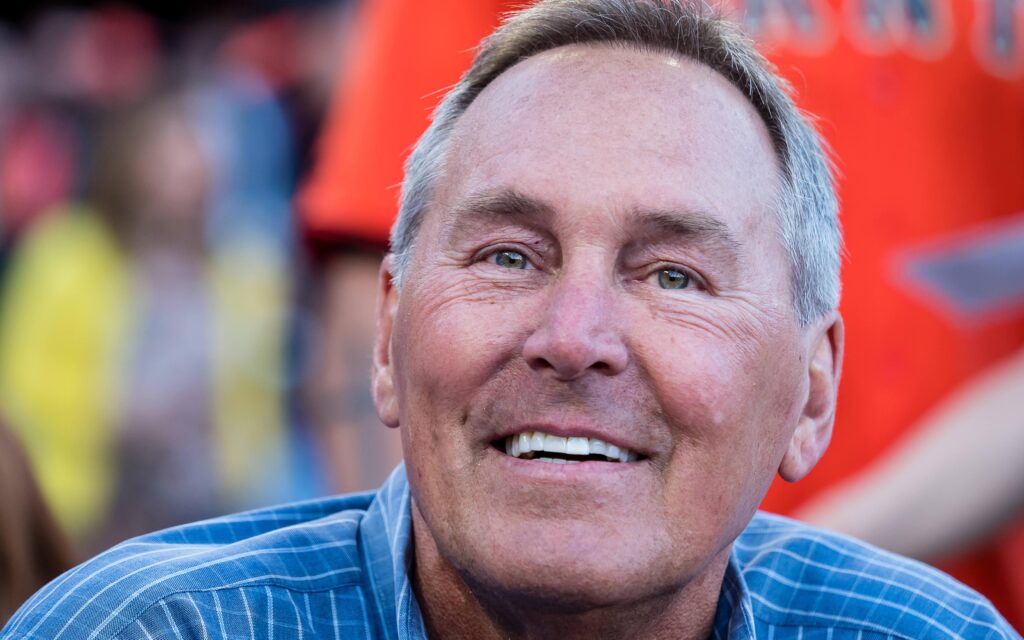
{"x":814,"y":429}
{"x":383,"y":376}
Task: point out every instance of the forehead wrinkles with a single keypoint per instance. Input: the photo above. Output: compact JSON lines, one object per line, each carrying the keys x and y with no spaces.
{"x":615,"y":74}
{"x":612,"y":95}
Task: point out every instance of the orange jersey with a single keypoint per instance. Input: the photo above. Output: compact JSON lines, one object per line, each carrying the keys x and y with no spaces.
{"x":923,"y":104}
{"x":403,"y":57}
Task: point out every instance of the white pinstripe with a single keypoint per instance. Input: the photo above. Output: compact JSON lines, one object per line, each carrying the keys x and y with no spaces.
{"x":131,"y":597}
{"x":202,"y":621}
{"x":248,"y":614}
{"x":347,"y":557}
{"x":170,"y":620}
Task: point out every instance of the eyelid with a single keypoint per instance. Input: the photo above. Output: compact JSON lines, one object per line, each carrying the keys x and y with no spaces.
{"x":696,"y":279}
{"x":486,"y":254}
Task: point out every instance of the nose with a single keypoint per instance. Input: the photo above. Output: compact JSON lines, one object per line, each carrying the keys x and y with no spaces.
{"x":577,"y":333}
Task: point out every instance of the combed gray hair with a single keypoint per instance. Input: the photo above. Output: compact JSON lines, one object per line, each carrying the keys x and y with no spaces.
{"x":806,"y":201}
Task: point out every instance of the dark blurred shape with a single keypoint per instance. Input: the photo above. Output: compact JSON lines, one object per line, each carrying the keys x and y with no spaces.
{"x":22,"y":11}
{"x":100,"y":57}
{"x":970,"y":276}
{"x":33,"y":550}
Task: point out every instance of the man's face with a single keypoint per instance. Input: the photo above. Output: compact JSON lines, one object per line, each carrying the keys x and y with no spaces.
{"x":600,"y":262}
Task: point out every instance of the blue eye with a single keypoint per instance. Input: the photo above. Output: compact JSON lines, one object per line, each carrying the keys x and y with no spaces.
{"x":673,"y":279}
{"x":510,"y":259}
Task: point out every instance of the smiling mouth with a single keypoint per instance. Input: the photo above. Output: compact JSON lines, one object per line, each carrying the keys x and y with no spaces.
{"x":544,"y":447}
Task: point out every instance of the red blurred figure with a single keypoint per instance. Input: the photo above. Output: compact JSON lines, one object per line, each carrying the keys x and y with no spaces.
{"x":37,"y":168}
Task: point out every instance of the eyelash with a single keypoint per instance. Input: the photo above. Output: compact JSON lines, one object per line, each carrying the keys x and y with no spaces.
{"x":491,"y":256}
{"x":694,"y":280}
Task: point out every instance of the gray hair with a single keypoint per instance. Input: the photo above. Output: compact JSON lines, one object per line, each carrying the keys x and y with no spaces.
{"x":805,"y":202}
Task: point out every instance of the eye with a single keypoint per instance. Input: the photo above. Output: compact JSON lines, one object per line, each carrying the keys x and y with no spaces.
{"x":673,"y":279}
{"x":509,"y":259}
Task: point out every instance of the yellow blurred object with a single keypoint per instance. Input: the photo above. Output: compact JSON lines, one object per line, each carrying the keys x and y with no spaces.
{"x":67,"y":328}
{"x":249,"y":288}
{"x":62,"y":337}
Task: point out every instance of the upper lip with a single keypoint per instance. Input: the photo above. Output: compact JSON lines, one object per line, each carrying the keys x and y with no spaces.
{"x":571,"y":429}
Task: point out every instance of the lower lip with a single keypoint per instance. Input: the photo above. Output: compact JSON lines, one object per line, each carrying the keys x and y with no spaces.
{"x":553,"y":471}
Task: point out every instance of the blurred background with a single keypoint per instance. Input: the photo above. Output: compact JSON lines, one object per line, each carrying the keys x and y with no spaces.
{"x":194,"y":202}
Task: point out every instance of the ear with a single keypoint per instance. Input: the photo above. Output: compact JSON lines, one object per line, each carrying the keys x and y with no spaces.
{"x":814,"y":429}
{"x":383,"y":375}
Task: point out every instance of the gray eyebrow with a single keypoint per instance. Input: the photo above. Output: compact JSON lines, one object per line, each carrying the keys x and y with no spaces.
{"x":703,"y":228}
{"x":655,"y":225}
{"x":504,"y":203}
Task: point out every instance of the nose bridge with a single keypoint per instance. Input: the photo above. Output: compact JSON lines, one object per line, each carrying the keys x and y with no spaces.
{"x":579,"y":304}
{"x":579,"y":329}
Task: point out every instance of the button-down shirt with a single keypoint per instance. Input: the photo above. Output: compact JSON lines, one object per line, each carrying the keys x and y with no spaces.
{"x":339,"y":568}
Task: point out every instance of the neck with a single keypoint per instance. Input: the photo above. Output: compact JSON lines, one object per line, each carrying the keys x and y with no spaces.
{"x":454,"y":608}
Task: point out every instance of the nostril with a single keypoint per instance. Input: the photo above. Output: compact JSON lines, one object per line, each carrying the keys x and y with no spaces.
{"x":540,"y":363}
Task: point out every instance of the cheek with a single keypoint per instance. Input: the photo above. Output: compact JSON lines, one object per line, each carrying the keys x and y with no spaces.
{"x":733,"y":407}
{"x":443,"y":354}
{"x":448,"y":343}
{"x":725,"y":374}
{"x":449,"y":348}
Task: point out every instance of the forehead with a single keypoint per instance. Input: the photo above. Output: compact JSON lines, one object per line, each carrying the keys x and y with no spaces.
{"x":601,"y":129}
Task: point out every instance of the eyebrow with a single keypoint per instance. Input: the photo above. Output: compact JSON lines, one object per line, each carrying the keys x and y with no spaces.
{"x":693,"y":225}
{"x":501,"y":204}
{"x":656,"y":226}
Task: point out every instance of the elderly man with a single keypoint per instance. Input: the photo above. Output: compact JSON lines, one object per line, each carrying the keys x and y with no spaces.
{"x":608,"y":320}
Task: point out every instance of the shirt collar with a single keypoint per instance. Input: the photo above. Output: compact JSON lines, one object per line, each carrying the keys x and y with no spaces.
{"x":734,"y":618}
{"x":386,"y":535}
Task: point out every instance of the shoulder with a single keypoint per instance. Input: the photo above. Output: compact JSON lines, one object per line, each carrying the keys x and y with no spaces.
{"x":197,"y":572}
{"x":802,"y":577}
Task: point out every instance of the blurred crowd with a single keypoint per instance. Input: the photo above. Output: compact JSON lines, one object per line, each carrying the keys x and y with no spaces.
{"x":152,"y":278}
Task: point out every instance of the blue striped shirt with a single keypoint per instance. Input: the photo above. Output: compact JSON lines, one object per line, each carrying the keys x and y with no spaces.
{"x":339,"y":568}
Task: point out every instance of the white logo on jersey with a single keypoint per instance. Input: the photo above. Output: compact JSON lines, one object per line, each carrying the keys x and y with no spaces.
{"x":920,"y":27}
{"x":998,"y":28}
{"x":806,"y":25}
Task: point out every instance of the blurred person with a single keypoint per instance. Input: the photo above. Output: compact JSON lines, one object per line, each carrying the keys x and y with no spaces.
{"x":348,"y":203}
{"x":213,"y":301}
{"x":336,"y":395}
{"x":245,"y":133}
{"x":102,"y":337}
{"x":255,"y":105}
{"x":138,"y":356}
{"x":33,"y":550}
{"x":62,"y":334}
{"x":296,"y":51}
{"x":600,"y":337}
{"x":152,"y":182}
{"x":886,"y":79}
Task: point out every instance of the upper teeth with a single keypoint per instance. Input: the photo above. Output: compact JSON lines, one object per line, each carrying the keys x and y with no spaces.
{"x":535,"y":441}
